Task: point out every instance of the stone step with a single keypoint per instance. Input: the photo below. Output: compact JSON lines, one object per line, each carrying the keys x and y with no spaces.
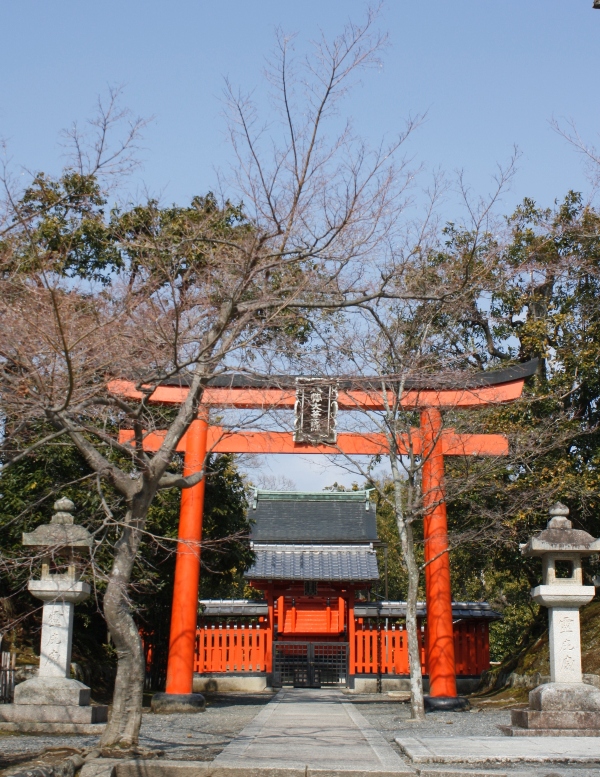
{"x":535,"y":719}
{"x":516,"y":731}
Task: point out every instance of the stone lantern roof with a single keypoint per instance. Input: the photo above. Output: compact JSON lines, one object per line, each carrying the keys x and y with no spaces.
{"x":560,"y":537}
{"x":60,"y":531}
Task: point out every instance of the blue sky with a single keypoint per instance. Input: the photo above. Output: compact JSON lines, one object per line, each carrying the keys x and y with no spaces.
{"x":489,"y":74}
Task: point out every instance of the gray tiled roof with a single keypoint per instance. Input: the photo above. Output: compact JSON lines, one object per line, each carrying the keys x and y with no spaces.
{"x":319,"y":517}
{"x":460,"y":610}
{"x":313,"y":562}
{"x":250,"y":607}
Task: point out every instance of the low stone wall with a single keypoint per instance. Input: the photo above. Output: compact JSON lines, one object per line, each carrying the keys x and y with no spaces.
{"x":369,"y":684}
{"x":531,"y":681}
{"x":490,"y":680}
{"x":243,"y":682}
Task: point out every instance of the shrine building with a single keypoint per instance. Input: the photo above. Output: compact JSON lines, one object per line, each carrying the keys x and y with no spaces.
{"x":315,"y":621}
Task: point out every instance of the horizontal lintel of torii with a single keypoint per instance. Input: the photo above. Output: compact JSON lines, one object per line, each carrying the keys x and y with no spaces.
{"x":222,"y":441}
{"x":348,"y":399}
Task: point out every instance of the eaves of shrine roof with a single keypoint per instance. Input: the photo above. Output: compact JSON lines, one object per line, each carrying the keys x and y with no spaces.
{"x":252,"y":608}
{"x":229,"y":607}
{"x":323,"y":516}
{"x":460,"y":610}
{"x":341,"y":563}
{"x":415,"y":381}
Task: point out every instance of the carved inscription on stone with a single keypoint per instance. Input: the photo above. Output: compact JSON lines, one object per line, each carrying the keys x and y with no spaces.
{"x":565,"y":624}
{"x":565,"y":650}
{"x":55,"y":650}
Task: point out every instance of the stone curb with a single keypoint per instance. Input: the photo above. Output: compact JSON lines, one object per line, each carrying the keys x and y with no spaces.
{"x":171,"y":768}
{"x":459,"y":773}
{"x":106,"y":767}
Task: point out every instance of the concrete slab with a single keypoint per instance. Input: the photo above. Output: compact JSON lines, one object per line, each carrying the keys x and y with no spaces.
{"x":525,"y":750}
{"x":310,"y":730}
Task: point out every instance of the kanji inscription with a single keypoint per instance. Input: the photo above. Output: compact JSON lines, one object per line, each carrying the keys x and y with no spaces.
{"x":315,"y":412}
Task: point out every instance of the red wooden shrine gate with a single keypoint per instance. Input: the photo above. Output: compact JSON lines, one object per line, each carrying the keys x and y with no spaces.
{"x":431,"y":441}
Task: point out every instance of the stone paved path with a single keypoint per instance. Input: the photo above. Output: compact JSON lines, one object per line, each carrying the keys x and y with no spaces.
{"x":311,"y":729}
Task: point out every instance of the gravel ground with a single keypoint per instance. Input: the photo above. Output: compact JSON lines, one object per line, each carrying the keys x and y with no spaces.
{"x":392,"y":719}
{"x":203,"y":736}
{"x":198,"y":737}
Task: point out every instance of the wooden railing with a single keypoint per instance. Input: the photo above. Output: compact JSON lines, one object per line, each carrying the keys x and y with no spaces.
{"x":243,"y":647}
{"x":471,"y":647}
{"x":233,"y":647}
{"x":385,"y":651}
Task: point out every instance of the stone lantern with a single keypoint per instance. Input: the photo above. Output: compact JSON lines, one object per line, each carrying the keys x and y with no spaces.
{"x":53,"y":701}
{"x":565,"y":705}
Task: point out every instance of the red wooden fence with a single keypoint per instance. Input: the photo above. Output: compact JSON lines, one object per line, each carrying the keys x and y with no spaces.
{"x":239,"y":647}
{"x":232,"y":647}
{"x":471,"y":647}
{"x":385,"y":651}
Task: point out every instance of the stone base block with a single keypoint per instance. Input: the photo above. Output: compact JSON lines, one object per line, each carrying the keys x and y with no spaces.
{"x":446,"y":704}
{"x":514,"y":731}
{"x":53,"y":691}
{"x":165,"y":703}
{"x":572,"y":719}
{"x":563,"y":697}
{"x":46,"y":713}
{"x":93,"y":729}
{"x":230,"y":683}
{"x":553,"y":723}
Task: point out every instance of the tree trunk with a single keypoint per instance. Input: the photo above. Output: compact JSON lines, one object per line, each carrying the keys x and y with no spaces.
{"x":417,"y":708}
{"x":123,"y":727}
{"x":412,"y":627}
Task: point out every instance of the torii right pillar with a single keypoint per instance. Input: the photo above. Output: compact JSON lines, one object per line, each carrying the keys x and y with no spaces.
{"x":441,"y":665}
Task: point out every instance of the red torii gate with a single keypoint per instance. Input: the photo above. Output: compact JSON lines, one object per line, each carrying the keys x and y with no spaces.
{"x":430,"y":440}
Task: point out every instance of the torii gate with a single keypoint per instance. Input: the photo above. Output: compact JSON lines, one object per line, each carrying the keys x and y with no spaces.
{"x":430,"y":440}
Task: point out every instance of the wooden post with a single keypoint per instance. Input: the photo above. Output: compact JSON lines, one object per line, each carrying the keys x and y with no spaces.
{"x":281,"y":615}
{"x":269,"y":633}
{"x":351,"y":631}
{"x":180,"y":667}
{"x":440,"y":633}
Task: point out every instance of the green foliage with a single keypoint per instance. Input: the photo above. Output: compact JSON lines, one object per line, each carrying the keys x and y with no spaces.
{"x":545,"y":303}
{"x":67,"y":229}
{"x":387,"y":531}
{"x":28,"y":491}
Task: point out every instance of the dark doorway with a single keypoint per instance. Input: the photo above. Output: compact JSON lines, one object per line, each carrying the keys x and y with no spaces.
{"x":310,"y":664}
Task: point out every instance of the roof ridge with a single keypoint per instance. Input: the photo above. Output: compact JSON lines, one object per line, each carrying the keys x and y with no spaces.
{"x":314,"y":496}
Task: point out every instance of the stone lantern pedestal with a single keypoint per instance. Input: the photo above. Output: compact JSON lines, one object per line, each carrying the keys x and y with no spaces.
{"x":565,"y":706}
{"x":52,"y":702}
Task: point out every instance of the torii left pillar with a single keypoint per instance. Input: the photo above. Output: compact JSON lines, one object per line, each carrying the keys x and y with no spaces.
{"x":179,"y":696}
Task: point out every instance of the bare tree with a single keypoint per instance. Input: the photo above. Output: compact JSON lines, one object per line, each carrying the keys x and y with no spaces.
{"x":157,"y":294}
